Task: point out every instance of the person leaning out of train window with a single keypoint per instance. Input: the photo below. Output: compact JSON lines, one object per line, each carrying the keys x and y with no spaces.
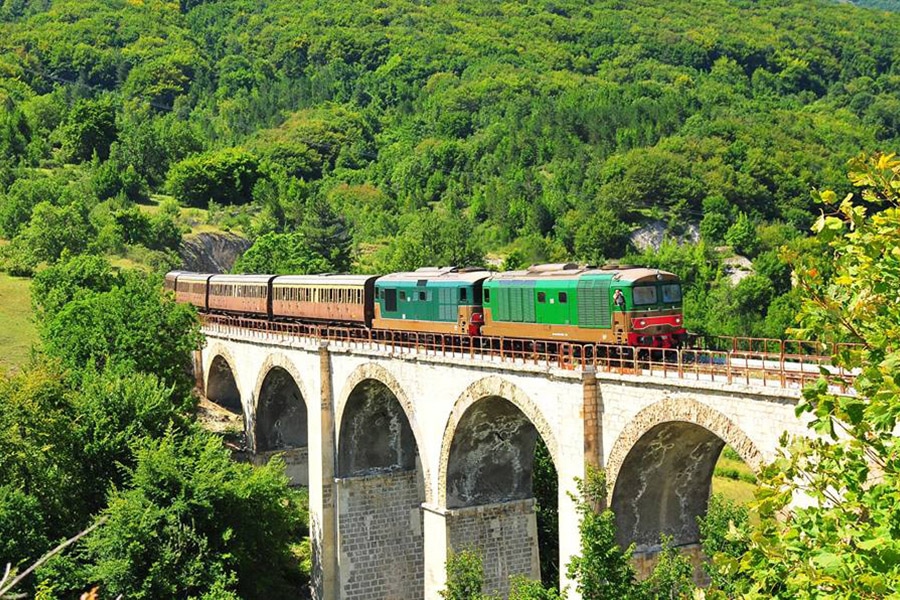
{"x":619,"y":300}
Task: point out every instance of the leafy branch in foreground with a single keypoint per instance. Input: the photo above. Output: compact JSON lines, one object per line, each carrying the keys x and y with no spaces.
{"x":844,"y":541}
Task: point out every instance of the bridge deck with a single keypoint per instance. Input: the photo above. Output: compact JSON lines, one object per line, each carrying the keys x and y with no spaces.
{"x":757,"y":362}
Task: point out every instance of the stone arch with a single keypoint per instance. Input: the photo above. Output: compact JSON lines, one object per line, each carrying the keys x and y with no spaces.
{"x":221,"y":383}
{"x":280,"y":410}
{"x":373,"y":376}
{"x":278,"y":418}
{"x":660,"y":469}
{"x":380,"y":488}
{"x":496,"y":389}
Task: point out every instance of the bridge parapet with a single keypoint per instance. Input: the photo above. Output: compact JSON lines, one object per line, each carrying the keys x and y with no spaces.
{"x":746,"y":361}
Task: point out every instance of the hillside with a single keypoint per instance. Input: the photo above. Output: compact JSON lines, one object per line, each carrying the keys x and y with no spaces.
{"x":891,"y":5}
{"x":405,"y":133}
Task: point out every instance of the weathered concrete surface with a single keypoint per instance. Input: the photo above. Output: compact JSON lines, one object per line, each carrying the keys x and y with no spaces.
{"x":375,"y":435}
{"x":622,"y":423}
{"x":492,"y":455}
{"x":664,"y":484}
{"x":281,"y":421}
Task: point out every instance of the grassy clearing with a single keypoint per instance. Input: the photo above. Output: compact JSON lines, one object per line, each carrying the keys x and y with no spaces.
{"x":737,"y":491}
{"x":192,"y":220}
{"x":17,"y":331}
{"x":733,"y":478}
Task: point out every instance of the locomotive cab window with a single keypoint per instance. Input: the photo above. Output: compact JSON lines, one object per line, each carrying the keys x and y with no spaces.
{"x":644,"y":294}
{"x":487,"y":295}
{"x":563,"y":297}
{"x":421,"y":295}
{"x":671,"y":292}
{"x":542,"y":297}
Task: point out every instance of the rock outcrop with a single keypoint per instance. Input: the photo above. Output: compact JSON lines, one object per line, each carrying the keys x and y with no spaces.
{"x":212,"y":252}
{"x":652,"y":235}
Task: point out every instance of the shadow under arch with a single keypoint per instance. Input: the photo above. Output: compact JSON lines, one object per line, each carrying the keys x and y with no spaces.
{"x":221,"y":384}
{"x":379,"y":376}
{"x":281,"y":420}
{"x":487,"y":483}
{"x":660,"y":470}
{"x":491,"y":387}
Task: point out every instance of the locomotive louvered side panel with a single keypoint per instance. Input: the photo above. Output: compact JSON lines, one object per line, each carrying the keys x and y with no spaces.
{"x":528,"y":305}
{"x":516,"y":303}
{"x":447,"y":306}
{"x":593,"y":303}
{"x":516,"y":312}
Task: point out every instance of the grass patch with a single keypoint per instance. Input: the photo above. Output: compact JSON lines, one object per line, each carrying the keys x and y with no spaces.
{"x":733,"y":478}
{"x":17,"y":331}
{"x":735,"y":490}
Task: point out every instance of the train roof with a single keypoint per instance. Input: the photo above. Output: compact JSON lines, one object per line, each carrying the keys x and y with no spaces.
{"x":328,"y":279}
{"x":191,"y":276}
{"x":257,"y":279}
{"x":568,"y":271}
{"x":448,"y":274}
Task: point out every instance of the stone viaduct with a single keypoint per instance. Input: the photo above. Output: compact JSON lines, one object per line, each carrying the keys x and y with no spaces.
{"x":410,"y":454}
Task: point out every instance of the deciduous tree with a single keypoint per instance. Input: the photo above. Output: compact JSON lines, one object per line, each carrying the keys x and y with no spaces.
{"x":842,"y":541}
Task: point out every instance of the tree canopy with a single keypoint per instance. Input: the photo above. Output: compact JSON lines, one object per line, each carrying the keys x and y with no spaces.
{"x":387,"y":135}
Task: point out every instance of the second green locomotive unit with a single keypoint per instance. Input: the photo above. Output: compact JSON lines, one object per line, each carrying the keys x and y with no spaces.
{"x":630,"y":306}
{"x":559,"y":302}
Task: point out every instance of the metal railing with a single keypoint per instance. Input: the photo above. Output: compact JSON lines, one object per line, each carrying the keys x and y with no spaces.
{"x":748,"y":361}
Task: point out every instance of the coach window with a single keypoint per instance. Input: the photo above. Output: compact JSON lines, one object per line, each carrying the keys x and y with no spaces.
{"x":542,"y":297}
{"x":463,"y":294}
{"x":487,"y":295}
{"x":563,"y":297}
{"x":402,"y":295}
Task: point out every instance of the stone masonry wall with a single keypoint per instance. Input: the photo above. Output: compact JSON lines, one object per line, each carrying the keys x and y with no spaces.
{"x":381,"y":543}
{"x":296,"y":463}
{"x":506,"y":536}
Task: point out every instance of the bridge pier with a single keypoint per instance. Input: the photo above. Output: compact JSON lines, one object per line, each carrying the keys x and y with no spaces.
{"x":380,"y":536}
{"x":322,"y":493}
{"x":505,"y":534}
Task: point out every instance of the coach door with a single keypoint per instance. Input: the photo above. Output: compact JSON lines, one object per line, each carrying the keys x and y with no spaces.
{"x":390,"y":300}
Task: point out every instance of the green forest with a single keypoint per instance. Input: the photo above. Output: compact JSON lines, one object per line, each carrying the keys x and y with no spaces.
{"x":386,"y":135}
{"x":398,"y":134}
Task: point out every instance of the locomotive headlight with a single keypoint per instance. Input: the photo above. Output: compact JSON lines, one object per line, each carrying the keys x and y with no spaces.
{"x":677,"y":320}
{"x":642,"y":322}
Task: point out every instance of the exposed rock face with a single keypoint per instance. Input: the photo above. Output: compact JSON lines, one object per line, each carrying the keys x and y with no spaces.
{"x":212,"y":252}
{"x":737,"y":267}
{"x":653,"y":234}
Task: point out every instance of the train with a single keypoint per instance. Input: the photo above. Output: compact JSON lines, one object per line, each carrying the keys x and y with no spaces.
{"x":565,"y":302}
